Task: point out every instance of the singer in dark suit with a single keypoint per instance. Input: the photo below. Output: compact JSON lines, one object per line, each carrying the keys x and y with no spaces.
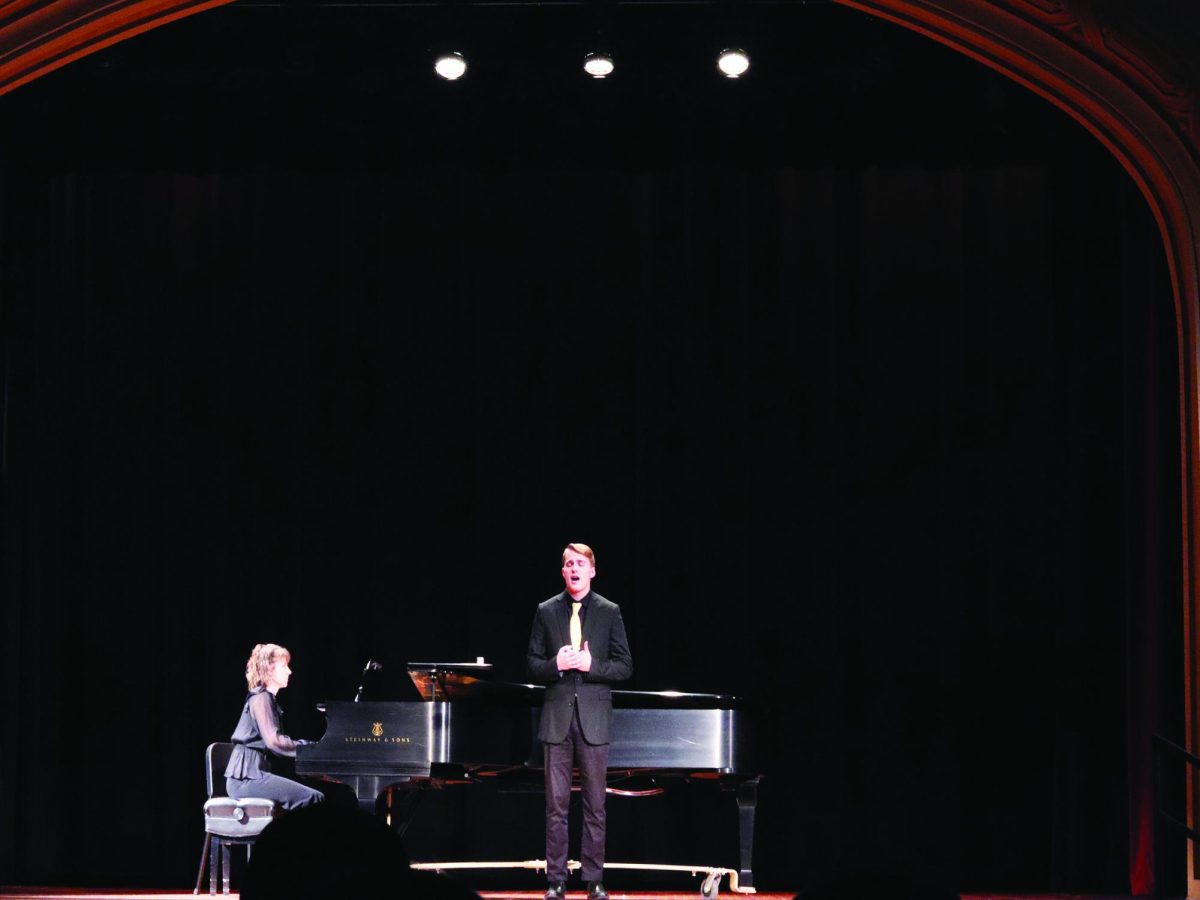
{"x":577,"y":648}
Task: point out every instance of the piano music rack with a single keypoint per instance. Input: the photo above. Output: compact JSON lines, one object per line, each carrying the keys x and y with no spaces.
{"x":709,"y":888}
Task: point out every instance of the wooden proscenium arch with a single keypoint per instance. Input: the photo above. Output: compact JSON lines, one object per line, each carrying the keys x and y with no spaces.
{"x":1096,"y":70}
{"x":1097,"y":73}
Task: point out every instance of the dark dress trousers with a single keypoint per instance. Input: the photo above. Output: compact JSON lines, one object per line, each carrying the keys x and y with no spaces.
{"x":576,"y":723}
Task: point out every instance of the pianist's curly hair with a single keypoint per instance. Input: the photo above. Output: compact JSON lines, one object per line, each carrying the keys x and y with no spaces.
{"x":259,"y":663}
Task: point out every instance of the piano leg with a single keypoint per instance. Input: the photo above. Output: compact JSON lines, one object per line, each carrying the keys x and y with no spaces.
{"x":747,"y":800}
{"x":366,"y":790}
{"x":403,"y":805}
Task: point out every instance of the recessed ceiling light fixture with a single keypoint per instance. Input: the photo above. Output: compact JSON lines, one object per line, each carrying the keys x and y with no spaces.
{"x":598,"y":65}
{"x":733,"y":62}
{"x":451,"y":66}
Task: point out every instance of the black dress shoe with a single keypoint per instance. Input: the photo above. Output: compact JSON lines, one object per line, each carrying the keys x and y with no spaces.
{"x":596,"y":891}
{"x":556,"y":891}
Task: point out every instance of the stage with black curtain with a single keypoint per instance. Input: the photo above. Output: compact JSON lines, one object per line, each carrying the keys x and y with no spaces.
{"x":859,"y":374}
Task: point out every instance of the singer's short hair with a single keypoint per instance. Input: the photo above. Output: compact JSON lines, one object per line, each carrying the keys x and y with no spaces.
{"x":582,"y":550}
{"x":259,"y":663}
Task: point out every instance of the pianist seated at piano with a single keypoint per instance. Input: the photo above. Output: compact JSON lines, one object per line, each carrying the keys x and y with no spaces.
{"x":258,"y":735}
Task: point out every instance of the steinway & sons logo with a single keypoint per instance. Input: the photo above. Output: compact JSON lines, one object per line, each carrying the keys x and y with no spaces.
{"x":377,"y":737}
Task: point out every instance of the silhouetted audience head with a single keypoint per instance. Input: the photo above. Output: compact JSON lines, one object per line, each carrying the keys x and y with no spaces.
{"x":325,"y":851}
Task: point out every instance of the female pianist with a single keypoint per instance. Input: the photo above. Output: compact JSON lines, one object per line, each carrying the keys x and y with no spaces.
{"x":257,"y":735}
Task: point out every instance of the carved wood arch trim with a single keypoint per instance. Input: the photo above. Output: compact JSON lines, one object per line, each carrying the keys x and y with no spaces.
{"x":1097,"y":71}
{"x":39,"y":36}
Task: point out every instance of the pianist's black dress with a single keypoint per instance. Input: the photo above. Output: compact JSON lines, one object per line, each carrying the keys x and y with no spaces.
{"x":256,"y":737}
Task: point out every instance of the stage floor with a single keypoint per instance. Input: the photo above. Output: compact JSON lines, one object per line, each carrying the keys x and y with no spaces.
{"x":60,"y":893}
{"x":83,"y":894}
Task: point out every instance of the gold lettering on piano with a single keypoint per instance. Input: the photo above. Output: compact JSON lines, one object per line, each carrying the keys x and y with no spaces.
{"x":377,"y":729}
{"x":377,"y":740}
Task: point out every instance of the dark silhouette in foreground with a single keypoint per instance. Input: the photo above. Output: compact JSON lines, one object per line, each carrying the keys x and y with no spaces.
{"x":326,"y":851}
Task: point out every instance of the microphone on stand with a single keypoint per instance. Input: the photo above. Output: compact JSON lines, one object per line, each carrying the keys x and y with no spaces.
{"x":371,"y":666}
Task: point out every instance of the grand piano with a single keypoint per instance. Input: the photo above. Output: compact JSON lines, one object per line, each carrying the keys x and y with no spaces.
{"x":468,"y":728}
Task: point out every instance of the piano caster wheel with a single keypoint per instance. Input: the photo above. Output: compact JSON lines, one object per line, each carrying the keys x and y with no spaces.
{"x":711,"y":886}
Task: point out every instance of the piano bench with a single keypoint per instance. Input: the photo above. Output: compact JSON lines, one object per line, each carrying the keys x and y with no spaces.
{"x":231,"y":822}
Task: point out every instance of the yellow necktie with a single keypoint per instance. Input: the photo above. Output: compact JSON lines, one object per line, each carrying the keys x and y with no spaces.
{"x":576,"y":626}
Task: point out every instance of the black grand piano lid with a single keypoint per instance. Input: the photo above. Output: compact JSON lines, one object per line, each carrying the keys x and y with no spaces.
{"x":459,"y":682}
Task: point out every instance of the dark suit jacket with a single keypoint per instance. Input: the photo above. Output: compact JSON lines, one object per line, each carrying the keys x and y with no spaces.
{"x":604,"y":632}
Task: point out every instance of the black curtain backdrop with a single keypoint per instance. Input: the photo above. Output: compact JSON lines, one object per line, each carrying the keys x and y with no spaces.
{"x":890,"y":448}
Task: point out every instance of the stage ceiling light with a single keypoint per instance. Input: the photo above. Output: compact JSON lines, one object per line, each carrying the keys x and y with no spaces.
{"x":598,"y":65}
{"x":733,"y":62}
{"x":452,"y":66}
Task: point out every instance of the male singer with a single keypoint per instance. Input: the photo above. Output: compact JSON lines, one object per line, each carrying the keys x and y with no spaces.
{"x":577,"y":648}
